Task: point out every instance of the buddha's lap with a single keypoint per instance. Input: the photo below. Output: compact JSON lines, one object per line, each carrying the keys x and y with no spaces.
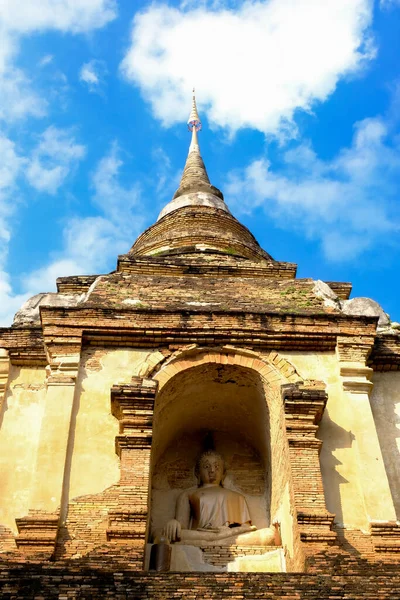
{"x":240,"y":537}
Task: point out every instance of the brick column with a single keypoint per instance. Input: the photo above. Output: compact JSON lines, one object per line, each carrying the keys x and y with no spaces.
{"x":133,"y":406}
{"x":304,"y":407}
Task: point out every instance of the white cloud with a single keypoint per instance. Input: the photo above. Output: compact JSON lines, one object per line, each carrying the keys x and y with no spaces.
{"x":9,"y":169}
{"x":92,"y":74}
{"x":9,"y":302}
{"x":253,"y":66}
{"x":76,"y":16}
{"x":17,"y":97}
{"x":9,"y":164}
{"x":46,"y":60}
{"x":348,"y":203}
{"x":114,"y":199}
{"x":24,"y":17}
{"x":166,"y":177}
{"x":52,"y":160}
{"x":88,"y":74}
{"x":388,"y":3}
{"x":89,"y":243}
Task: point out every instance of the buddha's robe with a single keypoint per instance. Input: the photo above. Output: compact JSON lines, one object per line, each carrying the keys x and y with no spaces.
{"x":215,"y":506}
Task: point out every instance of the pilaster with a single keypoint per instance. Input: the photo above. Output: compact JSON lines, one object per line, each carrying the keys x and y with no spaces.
{"x":357,"y":385}
{"x":133,"y":406}
{"x":38,"y":530}
{"x":304,"y":407}
{"x":4,"y":373}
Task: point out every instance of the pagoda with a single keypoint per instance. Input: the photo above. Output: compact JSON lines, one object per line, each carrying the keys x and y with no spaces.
{"x":200,"y":375}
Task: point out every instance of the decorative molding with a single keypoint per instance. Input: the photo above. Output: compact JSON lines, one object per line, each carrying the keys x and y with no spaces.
{"x":132,"y":442}
{"x":153,"y":328}
{"x":307,"y":442}
{"x":385,"y":355}
{"x":37,"y":533}
{"x":316,"y":527}
{"x":63,"y":369}
{"x":133,"y":405}
{"x":158,"y":265}
{"x":305,"y":403}
{"x":355,"y":348}
{"x":356,"y":378}
{"x":25,"y":345}
{"x":386,"y":536}
{"x":125,"y":525}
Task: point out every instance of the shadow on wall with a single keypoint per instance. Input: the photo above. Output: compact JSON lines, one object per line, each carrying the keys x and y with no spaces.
{"x":338,"y":438}
{"x":334,"y":437}
{"x":385,"y":405}
{"x":14,"y":374}
{"x":70,"y":448}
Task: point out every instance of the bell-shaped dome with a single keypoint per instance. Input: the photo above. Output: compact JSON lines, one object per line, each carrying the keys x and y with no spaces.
{"x":197,"y":219}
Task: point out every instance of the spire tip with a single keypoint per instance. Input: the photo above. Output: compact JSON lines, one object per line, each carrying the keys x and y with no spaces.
{"x":194,"y":119}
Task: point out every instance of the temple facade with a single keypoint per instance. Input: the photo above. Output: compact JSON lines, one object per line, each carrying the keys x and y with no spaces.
{"x":198,"y":415}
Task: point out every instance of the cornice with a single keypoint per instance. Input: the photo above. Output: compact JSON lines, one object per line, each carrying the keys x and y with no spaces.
{"x":385,"y":354}
{"x":144,"y":265}
{"x":64,"y":329}
{"x":152,"y":328}
{"x":25,"y":345}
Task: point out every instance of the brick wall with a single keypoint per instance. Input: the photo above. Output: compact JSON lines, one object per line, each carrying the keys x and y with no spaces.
{"x":67,"y":581}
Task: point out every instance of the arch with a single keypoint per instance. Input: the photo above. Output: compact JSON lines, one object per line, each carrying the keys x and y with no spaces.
{"x":187,"y":381}
{"x":272,"y":367}
{"x":271,"y":370}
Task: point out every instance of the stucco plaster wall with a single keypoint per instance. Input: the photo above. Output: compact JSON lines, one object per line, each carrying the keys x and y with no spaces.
{"x":385,"y":404}
{"x":94,"y":464}
{"x":20,"y":424}
{"x":339,"y":468}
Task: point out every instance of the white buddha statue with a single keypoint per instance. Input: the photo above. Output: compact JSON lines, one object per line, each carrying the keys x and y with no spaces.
{"x":213,"y":515}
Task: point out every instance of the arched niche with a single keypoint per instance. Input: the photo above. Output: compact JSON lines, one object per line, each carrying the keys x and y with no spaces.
{"x":245,"y":414}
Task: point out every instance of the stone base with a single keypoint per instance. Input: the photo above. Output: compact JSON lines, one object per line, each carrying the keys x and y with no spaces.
{"x":272,"y":561}
{"x":62,"y":580}
{"x":236,"y":559}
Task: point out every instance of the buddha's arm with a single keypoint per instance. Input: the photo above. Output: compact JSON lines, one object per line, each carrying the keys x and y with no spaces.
{"x":182,"y":513}
{"x":182,"y":518}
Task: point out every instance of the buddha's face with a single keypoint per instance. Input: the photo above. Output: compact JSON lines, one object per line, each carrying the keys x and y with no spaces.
{"x":211,"y":469}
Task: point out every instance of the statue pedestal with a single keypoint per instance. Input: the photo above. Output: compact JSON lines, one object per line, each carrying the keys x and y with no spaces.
{"x":222,"y":559}
{"x":272,"y":561}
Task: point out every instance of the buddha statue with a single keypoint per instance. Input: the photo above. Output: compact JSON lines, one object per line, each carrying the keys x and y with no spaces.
{"x":211,"y":514}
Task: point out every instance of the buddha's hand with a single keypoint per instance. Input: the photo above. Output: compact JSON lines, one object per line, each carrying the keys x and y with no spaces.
{"x":173,"y":530}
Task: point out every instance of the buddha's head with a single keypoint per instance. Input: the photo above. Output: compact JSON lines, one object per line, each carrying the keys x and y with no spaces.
{"x":210,"y":468}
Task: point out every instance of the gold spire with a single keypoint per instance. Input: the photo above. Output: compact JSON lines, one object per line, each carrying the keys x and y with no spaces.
{"x":194,"y":177}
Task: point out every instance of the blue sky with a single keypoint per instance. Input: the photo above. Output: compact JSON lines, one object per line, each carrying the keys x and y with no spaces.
{"x":300,"y":103}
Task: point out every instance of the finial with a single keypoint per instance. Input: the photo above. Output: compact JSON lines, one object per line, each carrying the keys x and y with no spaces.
{"x":194,"y":119}
{"x":194,"y":178}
